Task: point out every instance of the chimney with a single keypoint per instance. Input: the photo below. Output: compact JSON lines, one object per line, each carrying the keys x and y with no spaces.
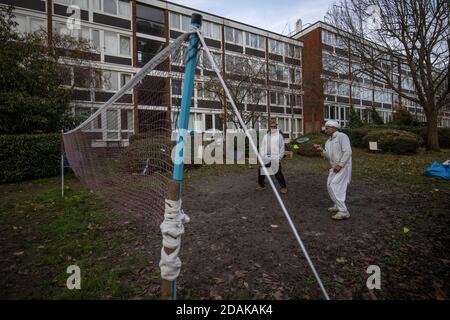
{"x":298,"y":25}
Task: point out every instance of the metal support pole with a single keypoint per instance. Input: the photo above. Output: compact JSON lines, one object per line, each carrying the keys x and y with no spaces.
{"x":62,"y":166}
{"x":168,"y":288}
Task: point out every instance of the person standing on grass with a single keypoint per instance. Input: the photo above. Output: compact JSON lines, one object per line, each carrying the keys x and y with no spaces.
{"x":272,"y":151}
{"x":339,"y":152}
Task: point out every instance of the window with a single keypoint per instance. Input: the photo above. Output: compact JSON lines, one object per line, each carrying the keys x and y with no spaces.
{"x":180,"y":22}
{"x":112,"y":124}
{"x":278,"y":72}
{"x":366,"y":94}
{"x":234,"y":64}
{"x":356,"y":92}
{"x":124,"y":9}
{"x":255,"y":41}
{"x":83,"y":4}
{"x":276,"y":47}
{"x":185,"y":23}
{"x":110,"y":6}
{"x":28,"y":24}
{"x":295,"y":75}
{"x":124,"y":78}
{"x":147,"y":49}
{"x":125,"y":46}
{"x":120,"y":8}
{"x":328,"y":38}
{"x":111,"y":44}
{"x":211,"y":30}
{"x":126,"y":119}
{"x":96,"y":38}
{"x":277,"y":98}
{"x":217,"y":59}
{"x":176,"y":87}
{"x":343,"y":89}
{"x":37,"y":25}
{"x":150,"y":20}
{"x":330,"y":87}
{"x":175,"y":22}
{"x":233,"y":35}
{"x":111,"y":80}
{"x":293,"y":51}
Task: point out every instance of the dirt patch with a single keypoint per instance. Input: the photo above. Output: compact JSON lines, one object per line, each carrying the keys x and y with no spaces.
{"x":239,"y":244}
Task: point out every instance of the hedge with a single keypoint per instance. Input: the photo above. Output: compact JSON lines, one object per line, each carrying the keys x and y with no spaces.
{"x":26,"y":157}
{"x":395,"y":141}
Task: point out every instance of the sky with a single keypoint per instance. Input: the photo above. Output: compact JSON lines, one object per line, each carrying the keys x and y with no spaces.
{"x":274,"y":15}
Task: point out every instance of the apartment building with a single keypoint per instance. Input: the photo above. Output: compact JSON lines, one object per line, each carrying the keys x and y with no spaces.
{"x":332,"y":84}
{"x":129,"y":33}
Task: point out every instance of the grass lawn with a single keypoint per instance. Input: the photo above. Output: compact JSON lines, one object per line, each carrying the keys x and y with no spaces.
{"x":42,"y":235}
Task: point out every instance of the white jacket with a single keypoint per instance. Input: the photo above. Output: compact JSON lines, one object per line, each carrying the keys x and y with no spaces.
{"x":338,"y":150}
{"x":272,"y":147}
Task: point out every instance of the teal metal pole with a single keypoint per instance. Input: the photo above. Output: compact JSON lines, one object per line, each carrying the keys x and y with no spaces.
{"x":188,"y":88}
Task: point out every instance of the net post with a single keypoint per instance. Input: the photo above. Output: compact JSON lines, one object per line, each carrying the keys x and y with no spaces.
{"x":168,"y":288}
{"x":62,"y":165}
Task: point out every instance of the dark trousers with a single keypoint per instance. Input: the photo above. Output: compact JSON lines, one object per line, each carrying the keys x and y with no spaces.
{"x":279,"y":175}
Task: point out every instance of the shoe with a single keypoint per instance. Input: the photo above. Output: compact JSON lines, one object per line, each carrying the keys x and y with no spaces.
{"x":260,"y":188}
{"x":283,"y":190}
{"x":333,"y":209}
{"x":341,"y":216}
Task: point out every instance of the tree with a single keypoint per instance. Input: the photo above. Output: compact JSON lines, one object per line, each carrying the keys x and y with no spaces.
{"x":402,"y":116}
{"x":246,"y":81}
{"x":35,"y":86}
{"x":385,"y":35}
{"x":375,"y":116}
{"x":354,"y":119}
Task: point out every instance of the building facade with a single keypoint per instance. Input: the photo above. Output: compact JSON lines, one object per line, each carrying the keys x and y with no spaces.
{"x":127,"y":34}
{"x":332,"y":83}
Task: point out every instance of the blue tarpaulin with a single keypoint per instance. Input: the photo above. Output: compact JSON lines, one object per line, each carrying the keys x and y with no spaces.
{"x":438,"y":170}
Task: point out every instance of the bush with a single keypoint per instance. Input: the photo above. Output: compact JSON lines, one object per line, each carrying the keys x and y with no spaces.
{"x":356,"y":136}
{"x":396,"y":141}
{"x":26,"y":157}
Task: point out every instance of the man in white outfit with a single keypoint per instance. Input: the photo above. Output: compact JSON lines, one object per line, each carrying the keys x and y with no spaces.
{"x":339,"y":152}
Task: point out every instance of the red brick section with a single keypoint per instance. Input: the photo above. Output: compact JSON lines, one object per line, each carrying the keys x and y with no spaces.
{"x":313,"y":100}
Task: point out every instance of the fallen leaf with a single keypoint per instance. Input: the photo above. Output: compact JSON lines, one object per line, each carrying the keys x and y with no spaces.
{"x":341,"y":260}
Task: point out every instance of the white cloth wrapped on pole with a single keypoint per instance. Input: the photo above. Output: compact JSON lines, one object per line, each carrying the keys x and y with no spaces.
{"x":172,"y":228}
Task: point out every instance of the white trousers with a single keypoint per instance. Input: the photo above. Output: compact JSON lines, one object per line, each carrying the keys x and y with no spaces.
{"x":337,"y":187}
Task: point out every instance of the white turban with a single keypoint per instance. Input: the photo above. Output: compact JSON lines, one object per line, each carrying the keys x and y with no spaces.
{"x":332,"y":123}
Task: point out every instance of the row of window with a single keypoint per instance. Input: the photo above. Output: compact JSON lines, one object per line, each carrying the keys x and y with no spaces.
{"x":115,"y":124}
{"x":121,"y":8}
{"x":358,"y":92}
{"x":341,"y":113}
{"x":254,"y":96}
{"x":203,"y":122}
{"x":111,"y":43}
{"x":236,"y":36}
{"x":102,"y":79}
